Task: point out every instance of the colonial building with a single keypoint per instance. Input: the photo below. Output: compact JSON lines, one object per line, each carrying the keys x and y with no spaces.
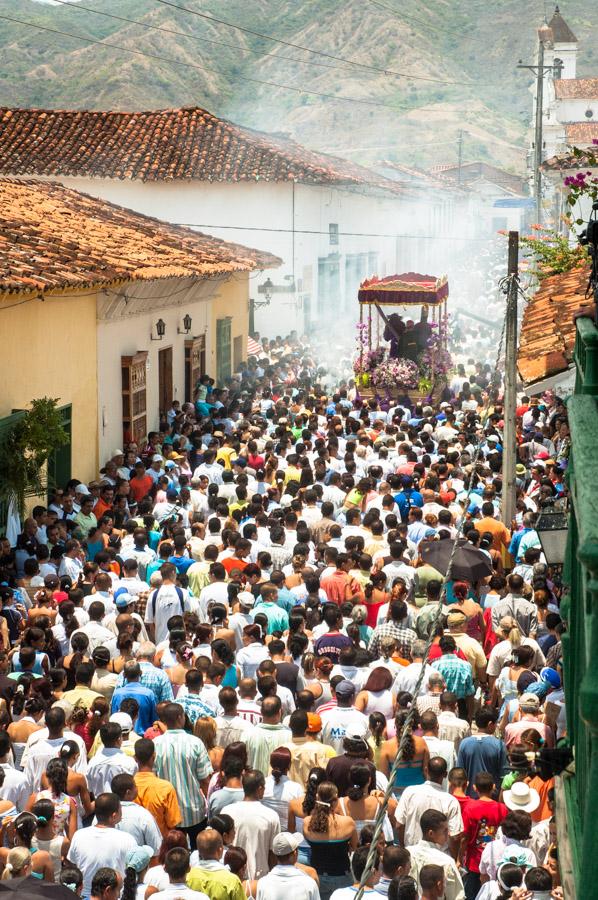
{"x":332,"y":223}
{"x":113,"y":313}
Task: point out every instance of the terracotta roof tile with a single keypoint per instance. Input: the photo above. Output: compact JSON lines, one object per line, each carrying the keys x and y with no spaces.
{"x":576,"y":89}
{"x":566,"y":161}
{"x":581,"y":133}
{"x":52,"y":237}
{"x":163,"y":145}
{"x":548,"y":330}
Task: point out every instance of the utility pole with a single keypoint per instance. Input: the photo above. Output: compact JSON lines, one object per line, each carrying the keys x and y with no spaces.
{"x":460,"y":145}
{"x":545,"y":37}
{"x":509,"y":450}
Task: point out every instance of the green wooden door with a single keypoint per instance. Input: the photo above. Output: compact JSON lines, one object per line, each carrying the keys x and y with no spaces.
{"x":223,"y":350}
{"x":59,"y":463}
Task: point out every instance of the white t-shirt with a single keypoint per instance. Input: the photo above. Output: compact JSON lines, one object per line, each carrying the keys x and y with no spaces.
{"x":180,"y":892}
{"x":95,"y":847}
{"x":335,"y":723}
{"x":167,"y":604}
{"x":255,"y":828}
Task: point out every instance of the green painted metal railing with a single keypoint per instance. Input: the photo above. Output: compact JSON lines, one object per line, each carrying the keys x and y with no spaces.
{"x":580,"y":608}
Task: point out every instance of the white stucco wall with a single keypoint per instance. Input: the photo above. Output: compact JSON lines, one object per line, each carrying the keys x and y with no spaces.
{"x":126,"y":323}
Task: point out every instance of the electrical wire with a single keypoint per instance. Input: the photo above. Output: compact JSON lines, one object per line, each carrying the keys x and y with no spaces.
{"x":409,"y":18}
{"x":417,"y":237}
{"x":406,"y":733}
{"x":204,"y":40}
{"x":269,"y":37}
{"x":177,"y":62}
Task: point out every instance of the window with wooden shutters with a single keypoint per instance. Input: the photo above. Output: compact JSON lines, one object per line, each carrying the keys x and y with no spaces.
{"x":195,"y":364}
{"x":134,"y":393}
{"x":223,"y":350}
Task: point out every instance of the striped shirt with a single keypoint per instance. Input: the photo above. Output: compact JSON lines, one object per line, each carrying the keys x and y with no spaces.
{"x":155,"y":679}
{"x":183,"y":760}
{"x":456,"y":673}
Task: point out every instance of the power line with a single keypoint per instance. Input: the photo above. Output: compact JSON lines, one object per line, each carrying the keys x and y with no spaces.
{"x":205,"y":40}
{"x":428,"y":237}
{"x":269,"y":37}
{"x":177,"y":62}
{"x":410,"y":18}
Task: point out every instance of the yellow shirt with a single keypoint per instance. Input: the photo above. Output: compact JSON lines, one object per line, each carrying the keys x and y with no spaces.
{"x":159,"y":798}
{"x":225,"y":454}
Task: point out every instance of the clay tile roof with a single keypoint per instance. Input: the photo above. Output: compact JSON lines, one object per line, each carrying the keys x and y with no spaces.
{"x":581,"y":133}
{"x":566,"y":161}
{"x":52,"y":237}
{"x":548,"y":328}
{"x":163,"y":145}
{"x":561,"y":32}
{"x":576,"y":89}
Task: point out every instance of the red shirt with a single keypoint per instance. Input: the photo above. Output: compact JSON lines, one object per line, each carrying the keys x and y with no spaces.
{"x":140,"y":487}
{"x":436,"y":653}
{"x":232,"y":562}
{"x":481,"y":819}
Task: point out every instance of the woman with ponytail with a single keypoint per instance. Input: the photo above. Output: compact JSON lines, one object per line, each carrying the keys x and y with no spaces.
{"x":27,"y":713}
{"x":375,"y":597}
{"x":331,"y":837}
{"x":79,"y":654}
{"x":136,"y":865}
{"x":359,"y":803}
{"x":17,"y":863}
{"x":21,"y":833}
{"x":47,"y":838}
{"x":280,"y":790}
{"x":76,"y":783}
{"x":413,"y":767}
{"x":64,"y":817}
{"x":303,"y":806}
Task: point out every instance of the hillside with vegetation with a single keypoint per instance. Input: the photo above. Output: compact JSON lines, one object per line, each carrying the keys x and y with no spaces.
{"x":395,"y":57}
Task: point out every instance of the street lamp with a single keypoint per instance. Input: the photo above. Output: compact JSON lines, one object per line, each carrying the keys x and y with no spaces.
{"x":187,"y":322}
{"x":160,"y":330}
{"x":552,"y":527}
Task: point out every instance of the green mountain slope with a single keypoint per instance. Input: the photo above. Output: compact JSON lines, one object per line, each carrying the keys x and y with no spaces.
{"x":472,"y":43}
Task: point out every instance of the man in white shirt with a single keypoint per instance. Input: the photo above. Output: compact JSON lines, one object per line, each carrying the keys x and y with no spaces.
{"x":343,"y":718}
{"x":109,"y":761}
{"x":230,"y":727}
{"x":255,"y":825}
{"x":450,"y":726}
{"x":168,"y":600}
{"x":98,"y":635}
{"x":71,"y":563}
{"x":436,"y":747}
{"x":416,"y":799}
{"x":285,"y":880}
{"x":430,"y":850}
{"x":15,"y":786}
{"x":406,"y":678}
{"x":266,"y":735}
{"x":44,"y":745}
{"x":101,"y":845}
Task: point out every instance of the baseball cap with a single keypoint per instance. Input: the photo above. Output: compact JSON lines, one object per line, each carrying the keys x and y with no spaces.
{"x":314,"y":723}
{"x":456,"y":617}
{"x":345,"y":688}
{"x":246,"y":598}
{"x":83,"y":490}
{"x":356,"y":731}
{"x":123,"y":719}
{"x":530,"y":702}
{"x":286,"y":843}
{"x":551,"y":676}
{"x":170,"y":464}
{"x":492,"y":437}
{"x":156,"y":458}
{"x":171,"y":494}
{"x":139,"y":858}
{"x":117,"y":452}
{"x":123,"y":600}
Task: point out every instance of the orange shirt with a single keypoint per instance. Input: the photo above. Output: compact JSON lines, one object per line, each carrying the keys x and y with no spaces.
{"x":501,"y":536}
{"x":159,"y":798}
{"x":100,"y":508}
{"x":140,"y":487}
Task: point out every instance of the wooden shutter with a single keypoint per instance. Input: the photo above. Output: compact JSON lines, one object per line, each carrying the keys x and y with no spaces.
{"x":134,"y":393}
{"x":195,"y":364}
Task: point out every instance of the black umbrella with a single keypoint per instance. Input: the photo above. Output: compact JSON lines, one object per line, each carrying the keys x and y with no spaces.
{"x":469,"y":563}
{"x":29,"y":888}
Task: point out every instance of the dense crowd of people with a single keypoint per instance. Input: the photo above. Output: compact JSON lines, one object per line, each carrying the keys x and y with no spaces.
{"x":209,"y":655}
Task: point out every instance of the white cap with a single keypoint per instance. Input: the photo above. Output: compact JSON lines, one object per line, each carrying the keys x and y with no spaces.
{"x":83,"y":489}
{"x":286,"y":843}
{"x":117,"y":453}
{"x":156,"y":458}
{"x":123,"y":719}
{"x":522,"y":796}
{"x":246,"y":598}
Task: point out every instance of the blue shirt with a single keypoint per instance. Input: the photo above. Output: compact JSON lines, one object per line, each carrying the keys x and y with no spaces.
{"x":406,"y":499}
{"x":144,"y":697}
{"x":483,"y":753}
{"x":182,"y":563}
